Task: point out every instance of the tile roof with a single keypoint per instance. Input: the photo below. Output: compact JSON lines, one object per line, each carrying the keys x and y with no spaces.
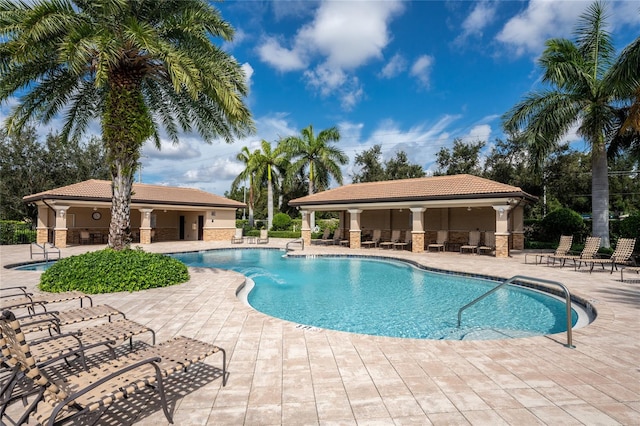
{"x":419,"y":189}
{"x":100,"y":190}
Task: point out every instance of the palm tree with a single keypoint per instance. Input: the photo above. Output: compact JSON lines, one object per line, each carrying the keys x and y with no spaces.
{"x":584,"y":91}
{"x":267,"y":164}
{"x":247,"y":174}
{"x":317,"y":157}
{"x":135,"y":65}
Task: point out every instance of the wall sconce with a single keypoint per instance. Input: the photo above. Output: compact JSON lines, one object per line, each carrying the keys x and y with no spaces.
{"x":146,"y":214}
{"x":61,"y":213}
{"x":95,"y":209}
{"x":468,"y":209}
{"x":213,"y":216}
{"x":500,"y":211}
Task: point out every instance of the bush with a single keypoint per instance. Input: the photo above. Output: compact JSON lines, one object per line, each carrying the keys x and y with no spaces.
{"x":630,"y":228}
{"x":561,"y":222}
{"x":281,"y":222}
{"x":110,"y":271}
{"x":16,"y":232}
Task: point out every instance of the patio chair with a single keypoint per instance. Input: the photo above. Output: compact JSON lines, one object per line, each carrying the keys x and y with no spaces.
{"x":53,"y":320}
{"x":264,"y":237}
{"x":441,"y":241}
{"x":472,"y":244}
{"x":337,"y":237}
{"x":395,"y":237}
{"x":374,"y":241}
{"x":591,"y":246}
{"x":628,"y":269}
{"x":563,"y":249}
{"x":622,"y":255}
{"x":403,"y":242}
{"x":94,"y":391}
{"x":85,"y":237}
{"x":489,"y":244}
{"x":237,"y":238}
{"x":325,"y":236}
{"x":17,"y":297}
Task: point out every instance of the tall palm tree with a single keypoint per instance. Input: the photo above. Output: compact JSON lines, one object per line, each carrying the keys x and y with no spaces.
{"x":267,"y":164}
{"x":584,"y":91}
{"x":135,"y":65}
{"x":317,"y":157}
{"x":247,"y":174}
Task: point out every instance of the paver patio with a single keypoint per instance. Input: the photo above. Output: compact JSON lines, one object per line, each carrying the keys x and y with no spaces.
{"x":281,"y":373}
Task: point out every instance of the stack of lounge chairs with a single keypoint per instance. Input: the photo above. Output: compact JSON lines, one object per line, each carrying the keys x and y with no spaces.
{"x":622,"y":256}
{"x":374,"y":241}
{"x":591,"y":246}
{"x":472,"y":244}
{"x":395,"y":237}
{"x":441,"y":241}
{"x":37,"y":345}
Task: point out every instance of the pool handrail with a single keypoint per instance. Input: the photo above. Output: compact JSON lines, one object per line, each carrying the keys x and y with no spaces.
{"x":567,"y":295}
{"x":45,"y":252}
{"x":297,"y":240}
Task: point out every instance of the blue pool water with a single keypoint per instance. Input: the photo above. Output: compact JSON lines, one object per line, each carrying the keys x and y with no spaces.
{"x":385,"y":298}
{"x":41,"y":266}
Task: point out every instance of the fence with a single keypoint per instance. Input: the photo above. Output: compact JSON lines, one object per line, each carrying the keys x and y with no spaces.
{"x":12,"y":232}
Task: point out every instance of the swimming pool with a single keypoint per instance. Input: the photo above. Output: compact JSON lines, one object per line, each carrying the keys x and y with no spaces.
{"x":384,"y":297}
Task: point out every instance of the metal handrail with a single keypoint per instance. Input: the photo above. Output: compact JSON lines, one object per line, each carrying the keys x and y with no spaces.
{"x":567,"y":295}
{"x":45,"y":252}
{"x":297,"y":240}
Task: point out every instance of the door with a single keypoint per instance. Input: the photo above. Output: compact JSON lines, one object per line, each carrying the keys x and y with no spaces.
{"x":182,"y":227}
{"x":200,"y":227}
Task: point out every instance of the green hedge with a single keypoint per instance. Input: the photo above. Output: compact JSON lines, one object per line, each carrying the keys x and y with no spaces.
{"x":110,"y":271}
{"x":16,"y":232}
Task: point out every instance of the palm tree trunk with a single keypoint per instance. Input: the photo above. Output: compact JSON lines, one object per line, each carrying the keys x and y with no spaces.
{"x":312,"y":217}
{"x":269,"y":204}
{"x":120,"y":226}
{"x":600,"y":192}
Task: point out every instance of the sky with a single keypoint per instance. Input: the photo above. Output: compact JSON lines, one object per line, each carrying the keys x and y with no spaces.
{"x":411,"y":76}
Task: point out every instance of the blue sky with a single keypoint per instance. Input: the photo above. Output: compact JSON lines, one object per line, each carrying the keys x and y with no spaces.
{"x":410,"y":76}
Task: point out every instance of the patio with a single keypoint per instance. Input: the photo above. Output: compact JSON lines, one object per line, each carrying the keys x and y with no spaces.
{"x":281,"y":373}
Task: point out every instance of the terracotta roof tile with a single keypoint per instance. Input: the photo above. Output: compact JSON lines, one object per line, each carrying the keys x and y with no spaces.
{"x":419,"y":189}
{"x":100,"y":190}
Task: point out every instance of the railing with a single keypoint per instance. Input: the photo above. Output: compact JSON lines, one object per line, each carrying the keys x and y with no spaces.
{"x":530,"y":279}
{"x":296,"y":241}
{"x":43,"y":250}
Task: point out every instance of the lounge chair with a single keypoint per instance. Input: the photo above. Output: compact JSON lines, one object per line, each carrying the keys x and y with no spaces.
{"x":620,"y":256}
{"x":325,"y":237}
{"x":591,"y":246}
{"x":54,"y":320}
{"x":337,"y":238}
{"x":85,"y":237}
{"x":563,"y":249}
{"x":395,"y":237}
{"x":264,"y":237}
{"x":237,"y":238}
{"x":94,"y":391}
{"x":628,"y":269}
{"x":472,"y":244}
{"x":18,"y":297}
{"x":403,"y":242}
{"x":441,"y":241}
{"x":489,"y":244}
{"x":374,"y":241}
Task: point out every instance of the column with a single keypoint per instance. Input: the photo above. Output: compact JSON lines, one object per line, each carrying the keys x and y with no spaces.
{"x":517,"y":217}
{"x":502,"y":230}
{"x":145,"y":226}
{"x":417,"y":229}
{"x":42,"y":228}
{"x":355,"y":232}
{"x":60,"y":230}
{"x":305,"y":229}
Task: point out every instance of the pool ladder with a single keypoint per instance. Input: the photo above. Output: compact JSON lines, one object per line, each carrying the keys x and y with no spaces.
{"x":567,"y":296}
{"x":45,"y":252}
{"x":296,"y":241}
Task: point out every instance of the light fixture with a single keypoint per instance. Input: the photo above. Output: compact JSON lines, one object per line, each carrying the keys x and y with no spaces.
{"x":61,"y":213}
{"x":501,"y":211}
{"x":468,"y":209}
{"x":95,"y":209}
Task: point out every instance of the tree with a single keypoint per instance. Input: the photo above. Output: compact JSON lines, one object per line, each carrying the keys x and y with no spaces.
{"x":316,"y":157}
{"x":371,"y":169}
{"x":267,"y":164}
{"x":28,"y":167}
{"x":400,"y":168}
{"x":463,"y":158}
{"x":583,"y":91}
{"x":134,"y":65}
{"x":247,"y":174}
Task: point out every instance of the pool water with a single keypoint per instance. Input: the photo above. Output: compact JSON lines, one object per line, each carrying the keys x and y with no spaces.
{"x":385,"y":298}
{"x":41,"y":266}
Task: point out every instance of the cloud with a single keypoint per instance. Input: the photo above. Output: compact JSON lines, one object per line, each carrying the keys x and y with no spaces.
{"x":183,"y":150}
{"x":248,"y":72}
{"x":281,"y":58}
{"x":342,"y":36}
{"x":481,"y":132}
{"x":541,"y":20}
{"x":421,"y":69}
{"x":482,"y":15}
{"x":396,"y":65}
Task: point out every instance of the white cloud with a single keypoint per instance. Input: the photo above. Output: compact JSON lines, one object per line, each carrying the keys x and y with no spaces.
{"x":482,"y":15}
{"x":396,"y":65}
{"x":481,"y":132}
{"x":281,"y":58}
{"x":540,"y":21}
{"x":421,"y":69}
{"x":342,"y":36}
{"x":248,"y":73}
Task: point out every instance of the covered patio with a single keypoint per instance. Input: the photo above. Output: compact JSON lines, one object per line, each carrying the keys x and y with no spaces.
{"x":81,"y":214}
{"x":422,"y":207}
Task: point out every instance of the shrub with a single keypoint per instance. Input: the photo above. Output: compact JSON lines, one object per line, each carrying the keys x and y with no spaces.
{"x":110,"y":271}
{"x":281,"y":222}
{"x":561,"y":222}
{"x":16,"y":232}
{"x":630,"y":228}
